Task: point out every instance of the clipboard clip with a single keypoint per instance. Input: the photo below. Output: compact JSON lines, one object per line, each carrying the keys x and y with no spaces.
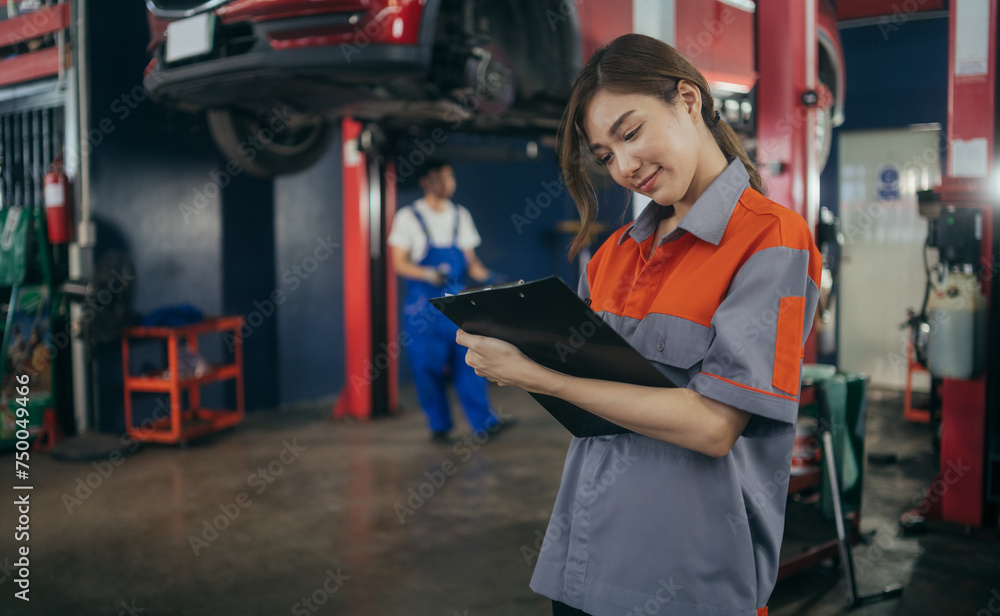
{"x":490,"y":287}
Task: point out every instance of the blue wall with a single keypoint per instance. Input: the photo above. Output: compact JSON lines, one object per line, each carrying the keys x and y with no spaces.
{"x":308,"y":218}
{"x":195,"y":236}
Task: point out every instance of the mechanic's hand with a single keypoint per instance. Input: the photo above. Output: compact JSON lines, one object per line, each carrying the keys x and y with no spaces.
{"x":435,"y":277}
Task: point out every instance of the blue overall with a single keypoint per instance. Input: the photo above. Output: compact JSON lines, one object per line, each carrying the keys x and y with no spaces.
{"x":432,"y":343}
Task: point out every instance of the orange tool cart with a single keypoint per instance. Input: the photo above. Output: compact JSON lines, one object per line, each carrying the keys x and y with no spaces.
{"x":183,"y":424}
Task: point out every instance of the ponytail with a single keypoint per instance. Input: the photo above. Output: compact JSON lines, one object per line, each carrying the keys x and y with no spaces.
{"x":732,"y":147}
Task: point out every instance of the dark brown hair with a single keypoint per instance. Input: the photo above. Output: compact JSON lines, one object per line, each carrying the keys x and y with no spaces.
{"x":631,"y":64}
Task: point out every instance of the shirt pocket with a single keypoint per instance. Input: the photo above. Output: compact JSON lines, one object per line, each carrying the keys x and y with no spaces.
{"x":671,"y":340}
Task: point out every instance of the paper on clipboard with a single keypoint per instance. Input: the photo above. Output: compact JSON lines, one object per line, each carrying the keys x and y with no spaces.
{"x":550,"y":324}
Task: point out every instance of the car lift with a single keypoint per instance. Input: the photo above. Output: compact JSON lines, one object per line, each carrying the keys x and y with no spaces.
{"x":967,"y":486}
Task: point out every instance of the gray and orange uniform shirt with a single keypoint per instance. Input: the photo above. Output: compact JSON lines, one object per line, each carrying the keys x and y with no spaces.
{"x":723,"y":307}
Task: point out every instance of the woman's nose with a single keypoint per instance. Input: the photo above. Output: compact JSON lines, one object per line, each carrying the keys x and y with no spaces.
{"x":627,"y":165}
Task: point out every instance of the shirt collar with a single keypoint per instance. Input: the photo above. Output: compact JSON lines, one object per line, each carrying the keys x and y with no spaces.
{"x":708,"y":217}
{"x":422,"y":204}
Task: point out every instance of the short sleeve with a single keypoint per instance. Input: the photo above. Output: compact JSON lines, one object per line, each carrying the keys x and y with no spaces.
{"x":406,"y":233}
{"x":754,"y":362}
{"x":583,"y":286}
{"x":468,"y":235}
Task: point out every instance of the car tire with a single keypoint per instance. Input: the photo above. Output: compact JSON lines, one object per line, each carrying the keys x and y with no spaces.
{"x":489,"y":75}
{"x":266,"y":148}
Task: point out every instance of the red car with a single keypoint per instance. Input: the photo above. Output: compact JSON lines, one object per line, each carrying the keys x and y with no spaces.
{"x":274,"y":74}
{"x":297,"y":64}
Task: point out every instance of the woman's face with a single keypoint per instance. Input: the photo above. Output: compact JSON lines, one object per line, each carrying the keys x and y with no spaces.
{"x":648,"y":146}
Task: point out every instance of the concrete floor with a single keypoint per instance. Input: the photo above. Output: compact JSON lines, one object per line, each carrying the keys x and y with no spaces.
{"x":374,"y":519}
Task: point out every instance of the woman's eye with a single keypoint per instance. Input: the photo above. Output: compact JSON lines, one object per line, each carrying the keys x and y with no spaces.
{"x":604,"y":160}
{"x":631,"y":135}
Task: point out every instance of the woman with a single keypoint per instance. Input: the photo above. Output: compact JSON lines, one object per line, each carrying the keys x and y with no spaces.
{"x":714,"y":284}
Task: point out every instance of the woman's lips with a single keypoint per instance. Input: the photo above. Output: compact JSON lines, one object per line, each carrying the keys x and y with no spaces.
{"x":648,"y":183}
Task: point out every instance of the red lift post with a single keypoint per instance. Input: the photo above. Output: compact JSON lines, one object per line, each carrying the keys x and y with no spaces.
{"x":372,"y":346}
{"x":786,"y":152}
{"x":960,"y":487}
{"x":786,"y":117}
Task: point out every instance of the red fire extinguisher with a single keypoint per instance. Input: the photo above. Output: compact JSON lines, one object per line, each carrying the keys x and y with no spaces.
{"x":58,"y":203}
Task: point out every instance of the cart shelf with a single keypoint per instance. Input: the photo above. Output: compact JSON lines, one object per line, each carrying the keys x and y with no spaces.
{"x":183,"y":424}
{"x":165,"y":384}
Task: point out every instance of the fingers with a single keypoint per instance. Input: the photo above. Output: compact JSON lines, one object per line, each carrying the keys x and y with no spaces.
{"x":475,"y":361}
{"x":464,"y":338}
{"x":481,"y":347}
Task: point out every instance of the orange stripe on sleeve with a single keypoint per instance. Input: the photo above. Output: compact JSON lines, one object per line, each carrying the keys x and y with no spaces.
{"x":753,"y":389}
{"x":788,"y":346}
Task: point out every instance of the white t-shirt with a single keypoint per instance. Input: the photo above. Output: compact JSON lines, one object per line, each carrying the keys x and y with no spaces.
{"x":407,"y":233}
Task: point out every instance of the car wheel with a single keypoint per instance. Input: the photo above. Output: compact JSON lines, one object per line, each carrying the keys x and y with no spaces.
{"x":266,"y":145}
{"x":489,"y":74}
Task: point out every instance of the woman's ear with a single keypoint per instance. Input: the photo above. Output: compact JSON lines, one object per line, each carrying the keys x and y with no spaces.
{"x":689,"y":95}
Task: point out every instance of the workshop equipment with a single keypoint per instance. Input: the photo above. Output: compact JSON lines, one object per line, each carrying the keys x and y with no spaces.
{"x":27,"y":328}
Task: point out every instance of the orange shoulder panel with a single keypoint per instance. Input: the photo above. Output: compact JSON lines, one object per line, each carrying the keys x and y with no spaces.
{"x":791,"y":229}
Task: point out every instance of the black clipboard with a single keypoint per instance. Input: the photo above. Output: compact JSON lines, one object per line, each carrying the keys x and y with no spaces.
{"x":550,"y":324}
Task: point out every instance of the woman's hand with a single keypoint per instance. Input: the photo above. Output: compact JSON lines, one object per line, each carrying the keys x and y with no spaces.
{"x":676,"y":415}
{"x":501,"y":363}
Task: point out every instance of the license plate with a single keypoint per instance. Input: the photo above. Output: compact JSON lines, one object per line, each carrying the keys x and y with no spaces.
{"x":190,"y":37}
